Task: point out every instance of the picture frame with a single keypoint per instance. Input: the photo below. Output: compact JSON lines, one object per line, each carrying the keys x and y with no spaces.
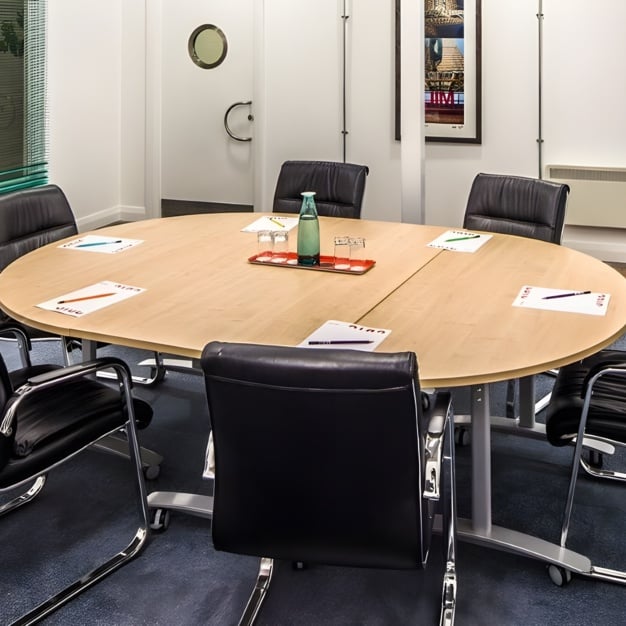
{"x":452,"y":71}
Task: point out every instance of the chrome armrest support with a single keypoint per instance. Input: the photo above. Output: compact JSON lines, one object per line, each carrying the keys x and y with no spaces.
{"x":440,"y":414}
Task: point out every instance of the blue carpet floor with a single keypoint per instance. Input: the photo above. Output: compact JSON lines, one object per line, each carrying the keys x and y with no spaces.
{"x":86,"y":511}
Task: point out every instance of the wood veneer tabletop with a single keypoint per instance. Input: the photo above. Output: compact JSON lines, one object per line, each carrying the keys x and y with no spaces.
{"x":456,"y":313}
{"x":453,"y":309}
{"x":200,"y":287}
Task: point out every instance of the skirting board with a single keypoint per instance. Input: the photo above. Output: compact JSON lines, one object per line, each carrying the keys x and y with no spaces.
{"x":606,"y":244}
{"x":111,"y":216}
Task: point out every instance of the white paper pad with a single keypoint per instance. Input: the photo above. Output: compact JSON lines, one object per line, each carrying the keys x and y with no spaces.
{"x":459,"y":241}
{"x":96,"y":243}
{"x":89,"y":299}
{"x":594,"y":303}
{"x":332,"y":332}
{"x":273,"y":222}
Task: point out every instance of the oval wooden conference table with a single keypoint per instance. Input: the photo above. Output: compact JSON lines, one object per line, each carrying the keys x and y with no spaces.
{"x":453,"y":309}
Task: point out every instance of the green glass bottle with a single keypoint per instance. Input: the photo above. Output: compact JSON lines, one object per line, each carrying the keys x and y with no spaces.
{"x":308,"y":231}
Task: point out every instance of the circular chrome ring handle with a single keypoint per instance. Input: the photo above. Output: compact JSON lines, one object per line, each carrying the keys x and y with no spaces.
{"x":227,"y":127}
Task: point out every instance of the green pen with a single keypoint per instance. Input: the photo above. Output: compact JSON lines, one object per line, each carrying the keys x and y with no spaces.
{"x":462,"y":238}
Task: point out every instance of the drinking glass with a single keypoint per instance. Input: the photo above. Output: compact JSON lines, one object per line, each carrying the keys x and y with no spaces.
{"x":280,"y":246}
{"x":265,"y":245}
{"x":342,"y":253}
{"x":357,"y":254}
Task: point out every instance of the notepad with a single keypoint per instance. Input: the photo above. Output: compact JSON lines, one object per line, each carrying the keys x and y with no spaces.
{"x":593,"y":303}
{"x":91,"y":298}
{"x":274,"y":222}
{"x":98,"y":243}
{"x":460,"y":241}
{"x":336,"y":334}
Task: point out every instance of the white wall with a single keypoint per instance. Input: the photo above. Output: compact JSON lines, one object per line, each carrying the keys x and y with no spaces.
{"x":97,"y":133}
{"x":84,"y":88}
{"x":509,"y":113}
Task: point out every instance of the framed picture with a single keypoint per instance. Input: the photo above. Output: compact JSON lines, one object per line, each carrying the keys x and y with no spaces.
{"x":452,"y":72}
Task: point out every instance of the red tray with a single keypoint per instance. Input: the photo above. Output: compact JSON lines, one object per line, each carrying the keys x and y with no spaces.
{"x":326,"y":264}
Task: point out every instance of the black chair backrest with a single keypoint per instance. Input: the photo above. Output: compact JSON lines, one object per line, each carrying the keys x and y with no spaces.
{"x":338,"y":187}
{"x":515,"y":205}
{"x":32,"y":218}
{"x":318,"y":455}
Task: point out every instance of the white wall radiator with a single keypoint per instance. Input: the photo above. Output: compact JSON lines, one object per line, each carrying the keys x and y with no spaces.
{"x":597,"y":194}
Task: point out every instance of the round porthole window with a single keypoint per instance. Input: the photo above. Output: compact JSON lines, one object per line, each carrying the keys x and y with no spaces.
{"x":207,"y":46}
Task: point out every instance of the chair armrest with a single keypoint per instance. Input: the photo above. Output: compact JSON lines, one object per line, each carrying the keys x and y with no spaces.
{"x":60,"y":376}
{"x":15,"y":328}
{"x":615,"y":367}
{"x":440,"y":413}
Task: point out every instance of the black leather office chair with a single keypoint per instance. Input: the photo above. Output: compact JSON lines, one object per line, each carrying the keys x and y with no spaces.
{"x":587,"y":407}
{"x":338,"y":187}
{"x":32,"y":218}
{"x":327,"y":456}
{"x":516,"y":205}
{"x":54,"y":414}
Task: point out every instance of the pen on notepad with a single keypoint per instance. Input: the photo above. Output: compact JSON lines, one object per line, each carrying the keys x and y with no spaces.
{"x":97,"y":243}
{"x":277,"y":222}
{"x":462,"y":238}
{"x":566,"y":295}
{"x":339,"y":342}
{"x":98,"y":295}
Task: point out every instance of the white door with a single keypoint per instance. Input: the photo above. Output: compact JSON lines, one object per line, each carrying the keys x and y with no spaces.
{"x":200,"y":162}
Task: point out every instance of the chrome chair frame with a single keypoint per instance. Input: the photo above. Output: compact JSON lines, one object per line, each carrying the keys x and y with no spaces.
{"x":42,"y":383}
{"x":582,"y":438}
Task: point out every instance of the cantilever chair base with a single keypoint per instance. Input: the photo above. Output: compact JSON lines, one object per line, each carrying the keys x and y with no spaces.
{"x":24,"y":498}
{"x":41,"y":426}
{"x":261,"y":587}
{"x":86,"y":581}
{"x":587,"y":409}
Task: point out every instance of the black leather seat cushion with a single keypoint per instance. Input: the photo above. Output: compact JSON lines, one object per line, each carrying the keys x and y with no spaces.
{"x":607,"y":413}
{"x":47,"y":431}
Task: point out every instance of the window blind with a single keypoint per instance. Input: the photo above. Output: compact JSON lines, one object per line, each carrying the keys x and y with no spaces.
{"x":23,"y":115}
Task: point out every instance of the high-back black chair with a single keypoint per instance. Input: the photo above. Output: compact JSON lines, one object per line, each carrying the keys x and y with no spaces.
{"x":588,"y":408}
{"x":327,"y":456}
{"x":54,"y":414}
{"x":339,"y":187}
{"x":29,"y":219}
{"x":516,"y":205}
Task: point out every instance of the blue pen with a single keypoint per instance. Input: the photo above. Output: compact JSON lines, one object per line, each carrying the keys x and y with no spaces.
{"x":97,"y":243}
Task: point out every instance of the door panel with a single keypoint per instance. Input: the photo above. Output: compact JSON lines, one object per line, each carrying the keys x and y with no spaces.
{"x":200,"y":162}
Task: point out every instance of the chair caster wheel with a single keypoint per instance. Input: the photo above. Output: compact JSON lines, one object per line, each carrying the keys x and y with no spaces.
{"x":160,"y":520}
{"x":559,"y":575}
{"x":461,"y":436}
{"x":151,"y":472}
